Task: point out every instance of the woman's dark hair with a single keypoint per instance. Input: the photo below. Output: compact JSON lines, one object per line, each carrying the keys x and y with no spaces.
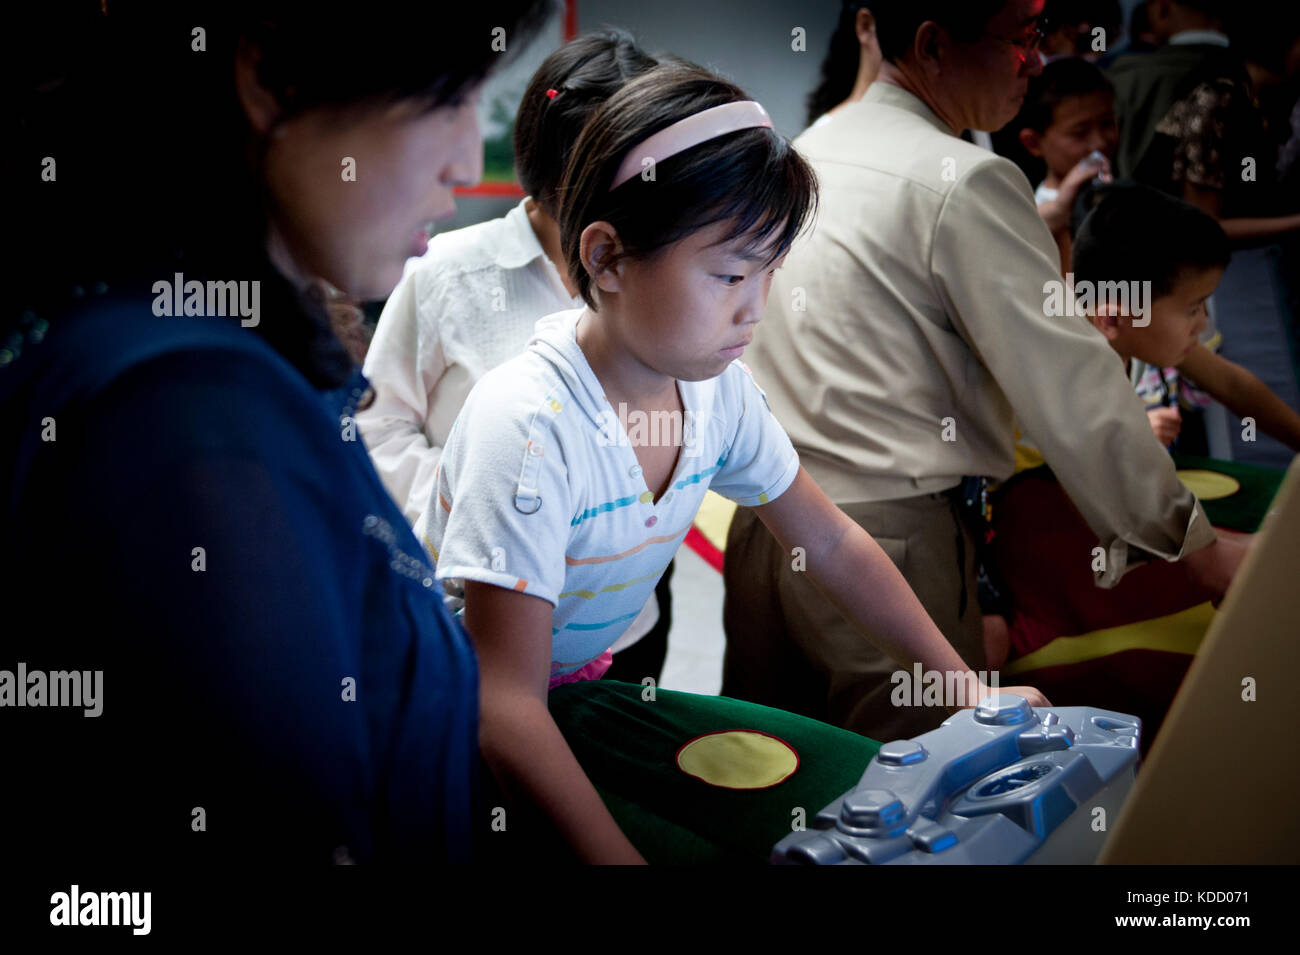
{"x":1060,"y":79}
{"x":840,"y":68}
{"x":584,"y":73}
{"x":134,"y":104}
{"x":897,"y":21}
{"x":752,"y":177}
{"x":1136,"y":233}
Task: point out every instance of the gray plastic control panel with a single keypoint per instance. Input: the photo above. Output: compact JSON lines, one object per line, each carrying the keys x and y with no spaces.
{"x":999,"y":784}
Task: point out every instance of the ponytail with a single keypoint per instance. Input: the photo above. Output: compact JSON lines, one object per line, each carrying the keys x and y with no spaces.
{"x":840,"y":68}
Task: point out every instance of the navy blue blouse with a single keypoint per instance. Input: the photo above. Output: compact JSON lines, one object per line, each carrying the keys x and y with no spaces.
{"x":279,"y":677}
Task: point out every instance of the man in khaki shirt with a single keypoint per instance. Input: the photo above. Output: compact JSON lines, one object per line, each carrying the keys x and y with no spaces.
{"x":904,"y":339}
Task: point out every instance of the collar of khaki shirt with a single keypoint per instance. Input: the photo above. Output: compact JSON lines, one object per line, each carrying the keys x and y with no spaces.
{"x":887,"y":94}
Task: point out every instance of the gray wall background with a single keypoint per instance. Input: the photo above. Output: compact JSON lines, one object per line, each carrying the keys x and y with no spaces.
{"x":745,"y":41}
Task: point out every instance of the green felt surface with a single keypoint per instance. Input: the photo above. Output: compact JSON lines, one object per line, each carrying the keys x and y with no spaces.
{"x":628,"y":746}
{"x":1243,"y":510}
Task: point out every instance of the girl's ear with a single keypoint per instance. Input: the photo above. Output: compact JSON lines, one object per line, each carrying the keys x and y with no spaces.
{"x":600,"y":250}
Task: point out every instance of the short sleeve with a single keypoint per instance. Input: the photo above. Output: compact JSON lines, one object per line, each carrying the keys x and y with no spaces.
{"x":761,"y":462}
{"x":500,"y":509}
{"x":988,"y":223}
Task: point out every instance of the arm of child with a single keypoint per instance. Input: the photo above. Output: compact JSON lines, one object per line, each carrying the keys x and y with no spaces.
{"x":1243,"y":394}
{"x":512,"y":635}
{"x":405,"y":362}
{"x":1056,"y":212}
{"x":850,"y":568}
{"x":1259,"y":229}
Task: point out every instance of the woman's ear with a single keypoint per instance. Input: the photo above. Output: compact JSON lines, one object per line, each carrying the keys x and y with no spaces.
{"x":600,"y":249}
{"x":869,"y":55}
{"x":259,"y":104}
{"x":864,"y":25}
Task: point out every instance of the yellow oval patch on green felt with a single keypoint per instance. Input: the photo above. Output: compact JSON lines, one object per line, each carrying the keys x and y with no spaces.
{"x":738,"y":759}
{"x":1209,"y":485}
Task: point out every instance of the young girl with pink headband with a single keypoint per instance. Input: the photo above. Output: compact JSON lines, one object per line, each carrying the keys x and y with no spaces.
{"x":556,"y":507}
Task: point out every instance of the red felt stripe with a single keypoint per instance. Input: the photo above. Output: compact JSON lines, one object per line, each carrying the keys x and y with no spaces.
{"x":697,"y":542}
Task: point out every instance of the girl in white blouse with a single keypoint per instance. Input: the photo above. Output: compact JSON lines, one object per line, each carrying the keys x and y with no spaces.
{"x":470,"y":303}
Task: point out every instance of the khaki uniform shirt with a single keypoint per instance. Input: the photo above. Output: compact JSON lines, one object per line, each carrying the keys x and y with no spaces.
{"x":909,"y":331}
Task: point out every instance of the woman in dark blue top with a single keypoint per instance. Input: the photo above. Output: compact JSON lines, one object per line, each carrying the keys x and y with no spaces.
{"x":192,"y":523}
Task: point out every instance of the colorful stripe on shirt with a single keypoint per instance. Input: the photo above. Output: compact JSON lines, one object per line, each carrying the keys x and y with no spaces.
{"x":615,"y":504}
{"x":605,"y":559}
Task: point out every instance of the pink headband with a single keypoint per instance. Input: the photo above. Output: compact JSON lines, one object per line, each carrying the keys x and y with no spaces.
{"x":691,"y":131}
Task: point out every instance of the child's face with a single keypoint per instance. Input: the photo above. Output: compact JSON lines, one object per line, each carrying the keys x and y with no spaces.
{"x":689,"y":310}
{"x":1177,"y":322}
{"x":1080,"y":125}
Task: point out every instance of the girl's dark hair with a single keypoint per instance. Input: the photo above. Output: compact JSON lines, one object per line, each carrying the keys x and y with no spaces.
{"x":1136,"y":233}
{"x":752,"y":177}
{"x":840,"y":68}
{"x":897,"y":21}
{"x":154,"y":163}
{"x":584,"y":73}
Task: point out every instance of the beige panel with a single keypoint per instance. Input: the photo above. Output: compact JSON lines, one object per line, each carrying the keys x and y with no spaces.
{"x":1221,"y":783}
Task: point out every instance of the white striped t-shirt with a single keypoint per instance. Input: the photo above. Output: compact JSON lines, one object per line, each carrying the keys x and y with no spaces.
{"x":539,"y":489}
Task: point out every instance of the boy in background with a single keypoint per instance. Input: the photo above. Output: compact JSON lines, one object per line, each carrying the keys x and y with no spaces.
{"x":1068,"y":121}
{"x":1137,"y":234}
{"x":1068,"y":116}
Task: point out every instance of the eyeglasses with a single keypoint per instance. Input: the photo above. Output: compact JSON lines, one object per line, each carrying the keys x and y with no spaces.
{"x":1028,"y":45}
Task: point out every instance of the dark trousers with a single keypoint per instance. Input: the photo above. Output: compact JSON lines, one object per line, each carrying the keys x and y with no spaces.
{"x":788,"y":647}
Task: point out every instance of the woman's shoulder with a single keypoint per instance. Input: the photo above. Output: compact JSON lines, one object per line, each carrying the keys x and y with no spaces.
{"x":166,"y":387}
{"x":89,"y":345}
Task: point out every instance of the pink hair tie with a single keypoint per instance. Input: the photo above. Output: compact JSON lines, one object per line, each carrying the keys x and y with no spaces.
{"x":691,"y":131}
{"x":551,"y":94}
